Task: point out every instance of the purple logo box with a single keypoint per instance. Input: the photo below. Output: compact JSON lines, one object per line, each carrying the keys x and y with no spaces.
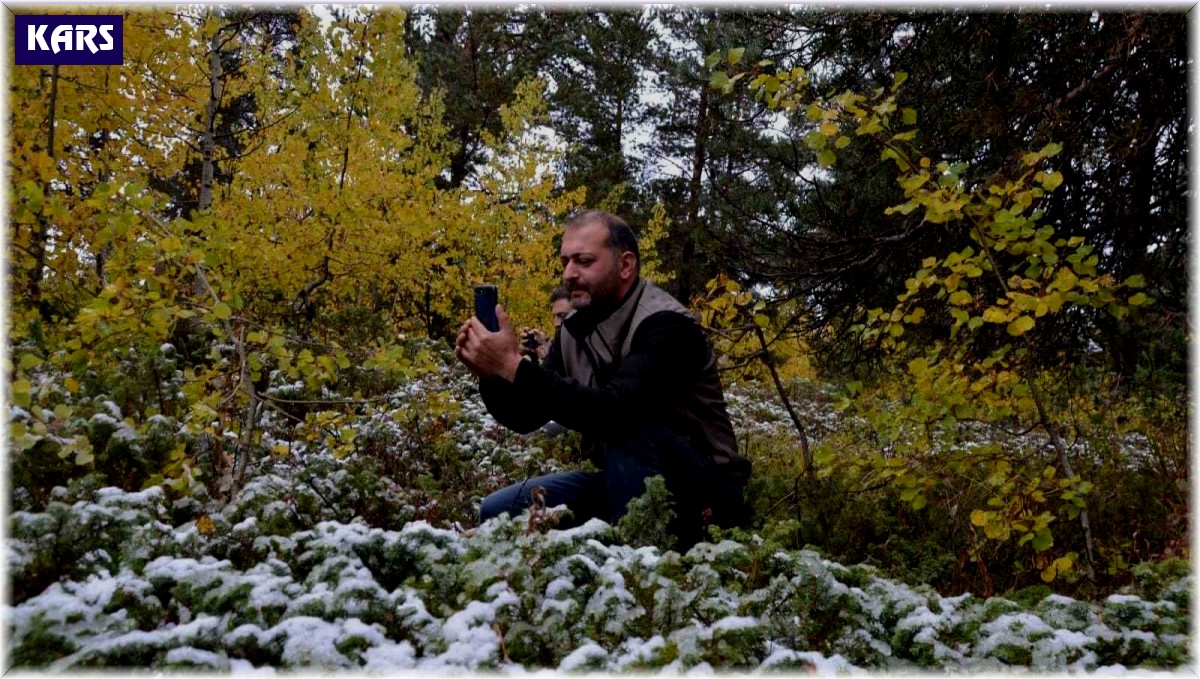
{"x":69,"y":40}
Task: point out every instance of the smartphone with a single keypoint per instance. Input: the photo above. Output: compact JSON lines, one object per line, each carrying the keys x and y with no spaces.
{"x":486,"y":299}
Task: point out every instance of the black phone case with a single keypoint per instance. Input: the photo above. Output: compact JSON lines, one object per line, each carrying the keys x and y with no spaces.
{"x":486,"y":298}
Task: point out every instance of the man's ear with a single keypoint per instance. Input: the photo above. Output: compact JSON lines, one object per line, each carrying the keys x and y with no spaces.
{"x":627,"y":265}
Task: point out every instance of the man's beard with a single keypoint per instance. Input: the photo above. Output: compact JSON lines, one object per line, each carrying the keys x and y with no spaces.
{"x":602,"y":296}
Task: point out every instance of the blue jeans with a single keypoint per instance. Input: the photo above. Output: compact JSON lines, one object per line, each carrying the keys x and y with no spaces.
{"x":694,"y":481}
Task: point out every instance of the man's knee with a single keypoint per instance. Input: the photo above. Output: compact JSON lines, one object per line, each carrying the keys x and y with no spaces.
{"x":497,"y":503}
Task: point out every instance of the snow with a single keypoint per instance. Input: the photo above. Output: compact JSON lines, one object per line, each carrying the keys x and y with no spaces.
{"x":812,"y":661}
{"x":389,"y":657}
{"x":309,"y":642}
{"x":1123,"y":599}
{"x":588,"y":654}
{"x":734,"y":622}
{"x":112,"y":409}
{"x":198,"y":657}
{"x":590,"y":528}
{"x":558,"y":586}
{"x":636,"y":650}
{"x":347,"y":595}
{"x":242,"y":667}
{"x":472,"y":640}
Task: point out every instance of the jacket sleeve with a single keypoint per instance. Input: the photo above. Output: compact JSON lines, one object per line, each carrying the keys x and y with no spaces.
{"x":667,"y":353}
{"x":510,"y":404}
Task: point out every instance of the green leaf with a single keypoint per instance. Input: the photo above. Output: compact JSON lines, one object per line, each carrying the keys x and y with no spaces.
{"x":20,"y":393}
{"x":1020,"y":326}
{"x":826,"y":158}
{"x":718,"y":80}
{"x":1136,"y":281}
{"x":1139,"y":299}
{"x":712,"y":59}
{"x":842,"y":142}
{"x":221,"y":311}
{"x":735,"y":55}
{"x":909,"y":116}
{"x":1043,"y":541}
{"x":28,"y":361}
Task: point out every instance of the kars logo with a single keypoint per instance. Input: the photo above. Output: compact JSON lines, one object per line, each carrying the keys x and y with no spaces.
{"x":69,"y":40}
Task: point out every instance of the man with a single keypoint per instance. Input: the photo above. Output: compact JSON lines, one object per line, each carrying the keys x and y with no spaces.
{"x":560,"y":305}
{"x":534,"y":342}
{"x":631,"y":370}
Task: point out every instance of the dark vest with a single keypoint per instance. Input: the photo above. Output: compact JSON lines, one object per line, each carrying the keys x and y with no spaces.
{"x":699,"y":416}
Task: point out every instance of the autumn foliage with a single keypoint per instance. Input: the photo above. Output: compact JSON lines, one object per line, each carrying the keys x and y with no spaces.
{"x":257,"y":231}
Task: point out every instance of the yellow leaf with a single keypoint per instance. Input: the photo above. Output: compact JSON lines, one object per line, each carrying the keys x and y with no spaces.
{"x":979,"y":517}
{"x":830,"y":129}
{"x":995,"y":315}
{"x":1020,"y":326}
{"x":204,"y":524}
{"x":1052,"y":180}
{"x":918,"y":366}
{"x":170,"y":245}
{"x":72,"y":385}
{"x":221,"y":310}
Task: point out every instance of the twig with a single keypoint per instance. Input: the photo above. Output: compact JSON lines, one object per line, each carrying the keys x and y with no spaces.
{"x":766,"y":355}
{"x":1056,"y":441}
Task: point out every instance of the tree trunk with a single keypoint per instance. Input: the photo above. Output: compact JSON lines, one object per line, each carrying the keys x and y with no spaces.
{"x":42,"y":230}
{"x":694,"y":189}
{"x":208,"y":142}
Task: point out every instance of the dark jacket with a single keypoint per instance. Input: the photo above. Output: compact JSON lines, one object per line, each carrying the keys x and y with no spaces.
{"x":610,"y":371}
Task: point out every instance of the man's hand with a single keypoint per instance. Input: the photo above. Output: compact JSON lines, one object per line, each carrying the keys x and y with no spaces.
{"x":489,"y":354}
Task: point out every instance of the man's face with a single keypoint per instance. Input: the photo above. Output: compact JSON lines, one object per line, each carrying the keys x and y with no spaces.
{"x":590,"y":270}
{"x":560,"y":308}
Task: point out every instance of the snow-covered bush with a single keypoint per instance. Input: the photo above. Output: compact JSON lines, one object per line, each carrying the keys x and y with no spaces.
{"x":498,"y":597}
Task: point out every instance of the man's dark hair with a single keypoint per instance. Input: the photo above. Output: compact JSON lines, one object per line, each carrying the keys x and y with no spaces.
{"x":620,"y":236}
{"x":559,"y":293}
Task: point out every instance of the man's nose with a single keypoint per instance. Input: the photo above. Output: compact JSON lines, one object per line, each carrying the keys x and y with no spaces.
{"x":569,"y":272}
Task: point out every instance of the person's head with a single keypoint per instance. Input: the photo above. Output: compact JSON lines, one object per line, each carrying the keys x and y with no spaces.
{"x":560,"y":304}
{"x":600,"y":258}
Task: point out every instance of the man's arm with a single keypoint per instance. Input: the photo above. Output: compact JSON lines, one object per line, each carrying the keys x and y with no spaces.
{"x":509,"y":405}
{"x":667,"y":352}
